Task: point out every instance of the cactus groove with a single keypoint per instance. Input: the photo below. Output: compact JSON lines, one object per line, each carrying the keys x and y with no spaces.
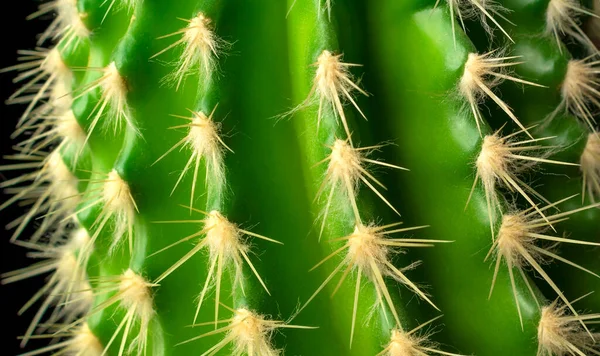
{"x":308,"y":177}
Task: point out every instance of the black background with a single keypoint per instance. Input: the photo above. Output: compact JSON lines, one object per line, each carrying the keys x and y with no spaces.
{"x":17,"y":33}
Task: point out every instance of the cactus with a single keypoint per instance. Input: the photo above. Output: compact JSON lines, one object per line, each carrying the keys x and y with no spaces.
{"x":308,"y":177}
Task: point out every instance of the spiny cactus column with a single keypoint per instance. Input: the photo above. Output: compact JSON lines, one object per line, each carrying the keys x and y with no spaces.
{"x":565,"y":112}
{"x":309,"y":178}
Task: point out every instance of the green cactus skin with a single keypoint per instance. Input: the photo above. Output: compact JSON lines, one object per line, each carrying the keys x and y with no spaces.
{"x":244,"y":153}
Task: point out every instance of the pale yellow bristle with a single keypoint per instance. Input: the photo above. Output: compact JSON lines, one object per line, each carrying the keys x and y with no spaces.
{"x":478,"y":9}
{"x":128,"y":5}
{"x":347,"y":168}
{"x":333,"y":84}
{"x":344,"y":161}
{"x":54,"y":64}
{"x":205,"y":143}
{"x":228,"y":250}
{"x":222,"y":236}
{"x":112,"y":105}
{"x":63,"y":182}
{"x":59,"y":127}
{"x":133,"y":293}
{"x":590,"y":167}
{"x":69,"y":130}
{"x":328,"y":4}
{"x":563,"y":19}
{"x":51,"y":189}
{"x":482,"y":73}
{"x":501,"y":160}
{"x":120,"y":205}
{"x":251,"y":332}
{"x":79,"y":341}
{"x":114,"y":196}
{"x":116,"y":192}
{"x":60,"y":88}
{"x":581,"y":90}
{"x":368,"y":252}
{"x":412,"y":343}
{"x":403,"y":344}
{"x":201,"y":49}
{"x":115,"y":89}
{"x":44,"y":74}
{"x":247,"y":332}
{"x":561,"y":333}
{"x":63,"y":290}
{"x":67,"y":24}
{"x":134,"y":296}
{"x":84,"y":342}
{"x":520,"y":244}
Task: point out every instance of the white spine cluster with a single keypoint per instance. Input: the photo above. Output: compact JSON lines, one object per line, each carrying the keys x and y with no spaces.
{"x":201,"y":50}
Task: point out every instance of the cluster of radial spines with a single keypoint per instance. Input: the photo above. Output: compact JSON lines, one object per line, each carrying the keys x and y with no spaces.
{"x":502,"y":159}
{"x":347,"y":164}
{"x":111,"y":110}
{"x":500,"y":163}
{"x":132,"y":293}
{"x":522,"y":241}
{"x":50,"y":190}
{"x":348,"y":168}
{"x":590,"y":167}
{"x":118,"y":210}
{"x":67,"y":287}
{"x":357,"y":222}
{"x":525,"y":242}
{"x":204,"y":142}
{"x":48,"y":187}
{"x":483,"y":72}
{"x":413,"y":342}
{"x":46,"y":81}
{"x":67,"y":24}
{"x":562,"y":333}
{"x":228,"y":250}
{"x":227,"y":244}
{"x":580,"y":90}
{"x":564,"y":19}
{"x":483,"y":10}
{"x":201,"y":48}
{"x":246,"y":332}
{"x":78,"y":340}
{"x":367,"y":252}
